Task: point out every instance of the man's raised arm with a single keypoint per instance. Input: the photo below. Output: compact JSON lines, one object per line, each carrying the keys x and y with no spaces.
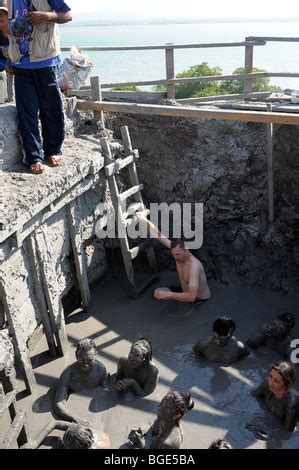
{"x":155,"y":232}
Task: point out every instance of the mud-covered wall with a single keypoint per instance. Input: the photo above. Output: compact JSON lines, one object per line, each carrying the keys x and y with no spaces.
{"x":224,"y":165}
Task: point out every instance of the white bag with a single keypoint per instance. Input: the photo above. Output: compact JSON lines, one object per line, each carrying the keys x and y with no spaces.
{"x":74,"y":71}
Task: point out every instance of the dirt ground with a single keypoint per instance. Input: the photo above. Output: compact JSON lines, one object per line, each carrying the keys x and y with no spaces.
{"x":223,"y":404}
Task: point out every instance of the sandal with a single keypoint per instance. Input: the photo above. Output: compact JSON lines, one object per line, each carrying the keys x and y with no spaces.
{"x":54,"y":160}
{"x":37,"y":168}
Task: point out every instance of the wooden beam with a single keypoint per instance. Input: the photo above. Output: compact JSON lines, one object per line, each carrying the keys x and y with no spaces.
{"x":75,"y":229}
{"x":270,"y":167}
{"x":192,"y":112}
{"x":96,"y":95}
{"x":248,"y":69}
{"x":175,"y":46}
{"x":169,"y":61}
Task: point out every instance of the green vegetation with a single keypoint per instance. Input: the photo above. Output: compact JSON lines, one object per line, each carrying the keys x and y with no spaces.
{"x":226,"y":87}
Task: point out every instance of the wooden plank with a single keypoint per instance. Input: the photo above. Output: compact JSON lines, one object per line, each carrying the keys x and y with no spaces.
{"x":16,"y":331}
{"x":169,"y":61}
{"x":272,"y":38}
{"x":194,"y":113}
{"x":118,"y":165}
{"x":270,"y":167}
{"x":14,"y":432}
{"x":52,"y":291}
{"x":75,"y":229}
{"x":96,"y":95}
{"x":39,"y":293}
{"x":201,"y":99}
{"x":130,"y":192}
{"x":7,"y":401}
{"x":175,"y":46}
{"x":248,"y":69}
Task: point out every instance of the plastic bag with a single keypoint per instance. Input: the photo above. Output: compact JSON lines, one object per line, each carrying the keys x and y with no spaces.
{"x":74,"y":71}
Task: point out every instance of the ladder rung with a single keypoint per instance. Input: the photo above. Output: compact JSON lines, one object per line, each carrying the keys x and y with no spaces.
{"x":14,"y":430}
{"x":134,"y":252}
{"x":7,"y":401}
{"x":130,"y":192}
{"x":119,"y":164}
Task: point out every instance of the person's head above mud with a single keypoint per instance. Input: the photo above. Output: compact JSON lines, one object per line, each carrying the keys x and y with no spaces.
{"x":79,"y":436}
{"x":277,"y":393}
{"x":281,"y":378}
{"x":191,"y":274}
{"x":222,"y":346}
{"x":166,"y":432}
{"x":282,"y":325}
{"x":140,"y":353}
{"x":4,"y":19}
{"x":137,"y":372}
{"x":174,"y":406}
{"x":86,"y":354}
{"x":87,"y":372}
{"x":275,"y":335}
{"x":76,"y":436}
{"x":223,"y":328}
{"x":220,"y":444}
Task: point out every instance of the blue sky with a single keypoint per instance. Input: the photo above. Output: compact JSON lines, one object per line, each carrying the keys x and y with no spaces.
{"x":172,"y":9}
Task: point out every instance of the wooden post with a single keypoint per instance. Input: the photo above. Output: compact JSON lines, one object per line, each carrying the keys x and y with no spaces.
{"x":10,"y":88}
{"x":39,"y":293}
{"x":169,"y":59}
{"x":15,"y":330}
{"x":75,"y":228}
{"x":248,"y":68}
{"x":52,"y":292}
{"x":96,"y":95}
{"x":270,"y":167}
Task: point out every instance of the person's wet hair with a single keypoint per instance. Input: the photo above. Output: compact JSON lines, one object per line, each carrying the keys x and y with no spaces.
{"x":85,"y":345}
{"x":143,"y":348}
{"x":287,"y":318}
{"x":78,"y":436}
{"x":220,"y":444}
{"x":224,"y":325}
{"x":287,"y":372}
{"x":177,"y":242}
{"x":182,"y":402}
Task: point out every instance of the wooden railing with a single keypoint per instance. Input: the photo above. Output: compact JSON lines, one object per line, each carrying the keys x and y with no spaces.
{"x":169,"y":81}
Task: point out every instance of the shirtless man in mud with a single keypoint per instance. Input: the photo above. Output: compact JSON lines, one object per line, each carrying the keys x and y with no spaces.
{"x":191,"y":273}
{"x":222,"y":346}
{"x":275,"y":335}
{"x":86,"y":373}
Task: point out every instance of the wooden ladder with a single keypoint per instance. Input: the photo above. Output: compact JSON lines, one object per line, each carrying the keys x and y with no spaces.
{"x":125,"y":217}
{"x":17,"y":429}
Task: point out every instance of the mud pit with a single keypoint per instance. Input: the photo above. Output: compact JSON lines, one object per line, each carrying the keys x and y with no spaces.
{"x":222,"y":402}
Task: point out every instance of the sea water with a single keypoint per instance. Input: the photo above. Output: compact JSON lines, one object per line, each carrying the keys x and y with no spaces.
{"x":120,"y":66}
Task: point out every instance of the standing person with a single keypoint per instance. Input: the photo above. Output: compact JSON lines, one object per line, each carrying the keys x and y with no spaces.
{"x":35,"y":54}
{"x":190,"y":271}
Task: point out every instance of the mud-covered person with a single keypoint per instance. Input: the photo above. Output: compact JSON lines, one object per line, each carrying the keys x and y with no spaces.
{"x":192,"y":276}
{"x":276,"y":335}
{"x":137,"y":373}
{"x":166,"y":431}
{"x":34,"y":52}
{"x":76,"y":436}
{"x":86,"y":373}
{"x":222,"y":347}
{"x":278,"y":395}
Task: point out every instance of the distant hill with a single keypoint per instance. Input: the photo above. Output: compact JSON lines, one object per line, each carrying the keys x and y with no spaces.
{"x":84,"y":20}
